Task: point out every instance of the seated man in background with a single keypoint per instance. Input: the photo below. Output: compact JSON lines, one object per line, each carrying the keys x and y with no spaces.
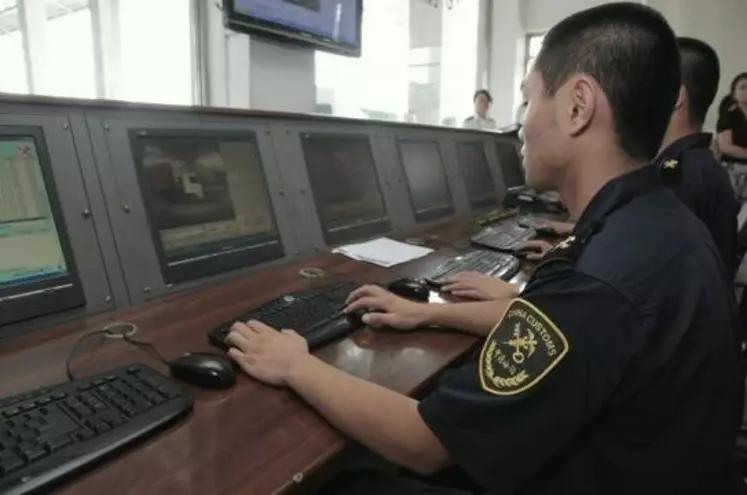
{"x":481,"y":120}
{"x":616,"y":371}
{"x":686,"y":163}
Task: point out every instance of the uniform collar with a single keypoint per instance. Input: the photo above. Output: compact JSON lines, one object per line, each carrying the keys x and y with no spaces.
{"x":617,"y":193}
{"x":677,"y":148}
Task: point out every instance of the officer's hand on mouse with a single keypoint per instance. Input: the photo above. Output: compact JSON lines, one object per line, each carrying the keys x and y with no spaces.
{"x":474,"y":285}
{"x":387,"y":309}
{"x":265,"y":353}
{"x":535,"y":249}
{"x":559,"y":228}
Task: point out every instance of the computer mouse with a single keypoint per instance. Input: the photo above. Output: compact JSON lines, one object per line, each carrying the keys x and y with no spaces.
{"x":410,"y":288}
{"x":522,"y":252}
{"x":205,"y":370}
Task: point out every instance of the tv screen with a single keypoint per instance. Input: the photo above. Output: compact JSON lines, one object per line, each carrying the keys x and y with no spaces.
{"x":331,"y":25}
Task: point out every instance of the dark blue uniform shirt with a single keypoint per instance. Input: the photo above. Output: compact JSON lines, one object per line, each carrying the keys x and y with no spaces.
{"x":703,"y":185}
{"x":618,"y":369}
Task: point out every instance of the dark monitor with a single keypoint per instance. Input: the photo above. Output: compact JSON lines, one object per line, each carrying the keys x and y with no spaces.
{"x":510,"y":162}
{"x":37,"y":271}
{"x":207,"y":201}
{"x":426,"y":180}
{"x":478,"y":179}
{"x":345,"y":187}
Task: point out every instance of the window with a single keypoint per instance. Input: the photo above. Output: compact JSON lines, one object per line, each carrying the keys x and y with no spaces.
{"x":534,"y":44}
{"x":68,"y":50}
{"x":12,"y":54}
{"x":156,"y":52}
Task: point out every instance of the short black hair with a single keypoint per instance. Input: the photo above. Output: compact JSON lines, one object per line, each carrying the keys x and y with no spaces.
{"x":701,"y":73}
{"x":484,"y":92}
{"x":631,"y":51}
{"x":735,"y":81}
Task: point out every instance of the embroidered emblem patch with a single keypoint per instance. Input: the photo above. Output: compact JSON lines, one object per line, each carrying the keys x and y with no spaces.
{"x":670,"y":164}
{"x":521,"y":350}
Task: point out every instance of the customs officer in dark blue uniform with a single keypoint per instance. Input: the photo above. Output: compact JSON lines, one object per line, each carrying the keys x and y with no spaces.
{"x":617,"y":369}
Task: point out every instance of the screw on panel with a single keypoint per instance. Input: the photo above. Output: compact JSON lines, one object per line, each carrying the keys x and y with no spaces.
{"x":108,"y":299}
{"x":86,"y":213}
{"x":106,"y":127}
{"x":298,"y":478}
{"x":126,"y":208}
{"x":65,"y":125}
{"x":146,"y":289}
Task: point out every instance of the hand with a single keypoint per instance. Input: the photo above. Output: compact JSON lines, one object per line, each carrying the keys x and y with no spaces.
{"x":473,"y":285}
{"x":560,"y":228}
{"x":395,"y":311}
{"x":265,"y":353}
{"x":535,"y":249}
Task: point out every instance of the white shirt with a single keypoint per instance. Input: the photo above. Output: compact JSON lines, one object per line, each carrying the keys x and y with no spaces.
{"x":477,"y":122}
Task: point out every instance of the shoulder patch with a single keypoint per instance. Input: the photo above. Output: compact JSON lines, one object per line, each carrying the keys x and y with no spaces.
{"x":521,"y":350}
{"x":671,"y":172}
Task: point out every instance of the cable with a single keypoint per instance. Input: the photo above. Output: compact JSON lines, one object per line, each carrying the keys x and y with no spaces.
{"x":148,"y":346}
{"x":80,"y":340}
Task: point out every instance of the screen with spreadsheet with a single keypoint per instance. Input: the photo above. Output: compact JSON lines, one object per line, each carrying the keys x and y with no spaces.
{"x":478,"y":179}
{"x":207,"y":200}
{"x":344,"y":183}
{"x":426,"y":180}
{"x":30,"y":247}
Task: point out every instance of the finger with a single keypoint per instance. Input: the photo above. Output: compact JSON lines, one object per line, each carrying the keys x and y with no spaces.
{"x":260,"y":327}
{"x":239,"y":358}
{"x":533,"y":243}
{"x":536,"y":256}
{"x":367,"y":302}
{"x":292,"y":334}
{"x":236,"y":339}
{"x":379,"y":319}
{"x":243,"y":329}
{"x":457,"y":285}
{"x":364,"y":291}
{"x":470,"y":294}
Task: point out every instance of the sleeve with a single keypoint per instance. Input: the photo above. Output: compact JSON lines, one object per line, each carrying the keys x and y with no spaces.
{"x":726,"y":121}
{"x":548,"y":366}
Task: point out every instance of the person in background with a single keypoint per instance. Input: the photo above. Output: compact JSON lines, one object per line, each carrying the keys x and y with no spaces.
{"x":686,"y":163}
{"x":519,"y":118}
{"x":732,"y":135}
{"x":615,"y":371}
{"x":481,"y":120}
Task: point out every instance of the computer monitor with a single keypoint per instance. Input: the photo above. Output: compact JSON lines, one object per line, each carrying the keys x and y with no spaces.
{"x":38,"y":275}
{"x":345,"y":186}
{"x":207,"y":201}
{"x":510,"y":163}
{"x":426,"y":180}
{"x":478,"y":179}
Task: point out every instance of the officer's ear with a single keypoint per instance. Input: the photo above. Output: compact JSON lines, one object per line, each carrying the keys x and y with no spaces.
{"x":681,"y":98}
{"x":581,"y":93}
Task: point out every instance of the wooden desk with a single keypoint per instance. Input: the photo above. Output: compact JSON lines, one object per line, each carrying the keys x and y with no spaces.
{"x":251,"y":439}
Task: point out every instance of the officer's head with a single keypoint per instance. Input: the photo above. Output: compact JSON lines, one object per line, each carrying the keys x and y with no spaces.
{"x":482,"y":101}
{"x":700,"y":77}
{"x":604,"y":83}
{"x":739,"y":88}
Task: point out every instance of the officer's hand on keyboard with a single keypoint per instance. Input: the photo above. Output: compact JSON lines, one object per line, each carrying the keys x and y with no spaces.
{"x":474,"y":285}
{"x":535,"y":249}
{"x":385,"y":309}
{"x":559,"y":228}
{"x":265,"y":353}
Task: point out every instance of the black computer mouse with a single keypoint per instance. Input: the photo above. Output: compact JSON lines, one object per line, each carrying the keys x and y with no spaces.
{"x":206,"y":370}
{"x":410,"y":288}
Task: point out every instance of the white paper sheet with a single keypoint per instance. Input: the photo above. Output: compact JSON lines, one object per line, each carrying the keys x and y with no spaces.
{"x":383,"y":252}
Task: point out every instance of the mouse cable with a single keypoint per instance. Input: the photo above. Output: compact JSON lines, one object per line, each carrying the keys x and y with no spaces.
{"x":137,"y":343}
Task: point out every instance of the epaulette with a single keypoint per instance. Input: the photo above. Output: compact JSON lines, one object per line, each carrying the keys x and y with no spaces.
{"x":570,"y":249}
{"x":671,"y":172}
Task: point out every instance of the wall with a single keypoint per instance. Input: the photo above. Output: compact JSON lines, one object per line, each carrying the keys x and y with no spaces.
{"x":506,"y":59}
{"x":721,"y":24}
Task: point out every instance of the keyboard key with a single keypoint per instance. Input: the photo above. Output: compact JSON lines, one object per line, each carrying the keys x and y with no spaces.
{"x":57,"y":442}
{"x":9,"y":413}
{"x":10,"y":462}
{"x":33,"y":453}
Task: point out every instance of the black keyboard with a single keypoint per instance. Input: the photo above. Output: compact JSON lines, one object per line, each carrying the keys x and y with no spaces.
{"x":495,"y":216}
{"x":494,"y":264}
{"x":51,"y":433}
{"x":313,"y":314}
{"x":503,"y":237}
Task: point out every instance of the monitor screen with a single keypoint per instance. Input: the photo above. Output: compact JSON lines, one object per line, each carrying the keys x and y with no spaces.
{"x":426,"y":180}
{"x":37,"y":271}
{"x":478,"y":179}
{"x":345,"y":187}
{"x":333,"y":25}
{"x":510,"y":163}
{"x":207,"y":200}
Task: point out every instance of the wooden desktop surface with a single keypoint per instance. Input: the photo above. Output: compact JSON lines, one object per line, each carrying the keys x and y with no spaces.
{"x":250,"y":439}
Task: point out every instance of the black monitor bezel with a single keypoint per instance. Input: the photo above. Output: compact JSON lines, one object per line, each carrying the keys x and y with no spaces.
{"x":500,"y":154}
{"x":348,"y":233}
{"x":214,"y":265}
{"x":39,"y":298}
{"x":242,"y":23}
{"x":432,"y":214}
{"x":482,"y":202}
